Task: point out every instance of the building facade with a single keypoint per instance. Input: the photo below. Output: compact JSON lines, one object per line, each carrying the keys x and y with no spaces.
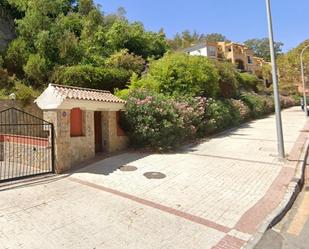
{"x":238,"y":54}
{"x":86,"y":122}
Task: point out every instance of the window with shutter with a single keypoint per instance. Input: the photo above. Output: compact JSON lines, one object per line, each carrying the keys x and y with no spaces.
{"x":76,"y":122}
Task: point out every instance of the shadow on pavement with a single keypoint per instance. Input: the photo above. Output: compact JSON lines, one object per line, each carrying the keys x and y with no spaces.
{"x":109,"y":165}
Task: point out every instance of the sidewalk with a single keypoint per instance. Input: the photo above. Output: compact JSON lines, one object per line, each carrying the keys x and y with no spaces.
{"x":292,"y":232}
{"x":217,"y":195}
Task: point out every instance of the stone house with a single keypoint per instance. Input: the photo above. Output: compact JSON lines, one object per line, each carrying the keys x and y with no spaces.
{"x":86,"y":122}
{"x":238,"y":54}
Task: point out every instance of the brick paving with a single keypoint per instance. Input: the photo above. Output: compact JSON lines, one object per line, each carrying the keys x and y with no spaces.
{"x":214,"y":195}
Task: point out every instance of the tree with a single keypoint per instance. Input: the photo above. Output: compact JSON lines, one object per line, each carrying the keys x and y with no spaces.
{"x":85,"y":6}
{"x":289,"y":68}
{"x":132,"y":36}
{"x":35,"y":70}
{"x":215,"y":37}
{"x":124,"y":60}
{"x":93,"y":77}
{"x":188,"y":38}
{"x":261,"y":49}
{"x":75,"y":34}
{"x":16,"y":56}
{"x":180,"y":74}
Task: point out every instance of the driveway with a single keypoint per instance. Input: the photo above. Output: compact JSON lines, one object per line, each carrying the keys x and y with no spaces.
{"x":212,"y":195}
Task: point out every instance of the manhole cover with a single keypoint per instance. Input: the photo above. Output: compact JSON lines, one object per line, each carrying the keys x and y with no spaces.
{"x":154,"y":175}
{"x":128,"y":168}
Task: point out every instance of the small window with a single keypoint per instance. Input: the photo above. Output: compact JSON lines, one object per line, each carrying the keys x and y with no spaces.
{"x":249,"y":60}
{"x":120,"y":131}
{"x":212,"y":51}
{"x":76,"y":122}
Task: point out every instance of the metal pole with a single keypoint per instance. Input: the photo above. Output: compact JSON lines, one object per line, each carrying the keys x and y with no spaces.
{"x":303,"y":80}
{"x":280,"y":141}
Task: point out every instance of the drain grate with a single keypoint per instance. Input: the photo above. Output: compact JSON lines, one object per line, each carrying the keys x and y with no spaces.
{"x":154,"y":175}
{"x":128,"y":168}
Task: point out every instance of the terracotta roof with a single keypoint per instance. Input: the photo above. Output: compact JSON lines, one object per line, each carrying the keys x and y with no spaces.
{"x":79,"y":93}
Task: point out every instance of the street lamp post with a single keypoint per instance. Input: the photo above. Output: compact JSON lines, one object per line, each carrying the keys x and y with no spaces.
{"x":280,"y":141}
{"x":303,"y":79}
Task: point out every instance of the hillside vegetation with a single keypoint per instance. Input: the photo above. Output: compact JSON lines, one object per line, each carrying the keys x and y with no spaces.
{"x":171,"y":97}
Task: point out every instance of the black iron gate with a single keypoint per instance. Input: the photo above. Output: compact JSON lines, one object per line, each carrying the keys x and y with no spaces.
{"x":26,"y":145}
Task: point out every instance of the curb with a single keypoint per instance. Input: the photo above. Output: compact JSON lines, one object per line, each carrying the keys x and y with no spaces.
{"x":293,"y":189}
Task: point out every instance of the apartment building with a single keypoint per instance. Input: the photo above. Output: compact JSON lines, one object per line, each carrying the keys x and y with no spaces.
{"x":239,"y":54}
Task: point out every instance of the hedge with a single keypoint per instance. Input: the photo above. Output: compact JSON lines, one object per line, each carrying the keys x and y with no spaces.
{"x":162,"y":122}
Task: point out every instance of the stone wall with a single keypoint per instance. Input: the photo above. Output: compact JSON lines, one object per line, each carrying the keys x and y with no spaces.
{"x":113,"y":142}
{"x":37,"y":157}
{"x":70,"y":151}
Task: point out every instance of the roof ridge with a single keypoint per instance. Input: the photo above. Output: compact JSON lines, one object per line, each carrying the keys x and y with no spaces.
{"x":80,"y":88}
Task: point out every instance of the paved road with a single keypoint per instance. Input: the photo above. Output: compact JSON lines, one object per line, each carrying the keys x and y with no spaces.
{"x":212,"y":195}
{"x":293,"y":231}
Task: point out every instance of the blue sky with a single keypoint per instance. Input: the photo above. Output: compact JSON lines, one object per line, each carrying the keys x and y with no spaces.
{"x":239,"y":20}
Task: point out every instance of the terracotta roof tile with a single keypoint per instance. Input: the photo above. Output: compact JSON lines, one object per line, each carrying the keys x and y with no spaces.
{"x":79,"y":93}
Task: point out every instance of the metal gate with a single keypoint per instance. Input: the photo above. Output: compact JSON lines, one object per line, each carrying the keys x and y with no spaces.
{"x":26,"y":145}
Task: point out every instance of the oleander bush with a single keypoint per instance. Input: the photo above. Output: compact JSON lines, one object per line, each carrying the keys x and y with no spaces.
{"x":161,"y":122}
{"x":287,"y":101}
{"x":217,"y":115}
{"x":240,"y":111}
{"x":259,"y":105}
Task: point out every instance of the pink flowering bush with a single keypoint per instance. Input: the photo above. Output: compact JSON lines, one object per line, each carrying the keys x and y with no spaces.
{"x":241,"y":111}
{"x":161,"y":122}
{"x":259,"y":105}
{"x":287,"y":101}
{"x":157,"y":121}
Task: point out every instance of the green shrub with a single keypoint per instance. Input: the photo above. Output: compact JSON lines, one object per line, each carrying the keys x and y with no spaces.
{"x":124,"y":60}
{"x":36,"y":70}
{"x":217,"y":115}
{"x":6,"y":81}
{"x":24,"y":93}
{"x":297,"y":99}
{"x":248,"y":81}
{"x":93,"y":77}
{"x":228,"y":80}
{"x":258,"y":104}
{"x":160,"y":122}
{"x":1,"y":62}
{"x":181,"y":75}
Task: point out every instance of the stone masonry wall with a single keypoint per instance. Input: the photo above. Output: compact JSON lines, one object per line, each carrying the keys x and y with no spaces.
{"x":71,"y":150}
{"x":109,"y":130}
{"x":37,"y":157}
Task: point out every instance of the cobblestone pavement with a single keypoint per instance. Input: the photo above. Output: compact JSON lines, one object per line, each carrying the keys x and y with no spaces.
{"x":212,"y":195}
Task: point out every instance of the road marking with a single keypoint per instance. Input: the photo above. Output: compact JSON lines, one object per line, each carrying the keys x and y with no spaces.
{"x":301,"y":217}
